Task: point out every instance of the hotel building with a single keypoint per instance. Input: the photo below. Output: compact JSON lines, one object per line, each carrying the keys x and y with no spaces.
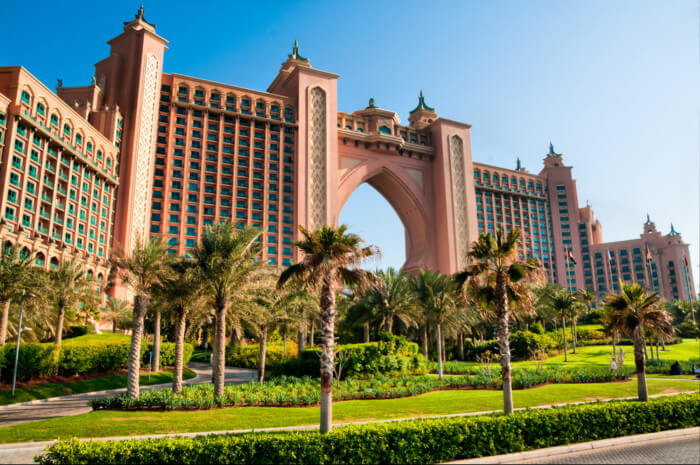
{"x":139,"y":152}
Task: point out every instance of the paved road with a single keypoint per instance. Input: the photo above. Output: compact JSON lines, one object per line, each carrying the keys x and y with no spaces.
{"x":673,"y":450}
{"x":80,"y":403}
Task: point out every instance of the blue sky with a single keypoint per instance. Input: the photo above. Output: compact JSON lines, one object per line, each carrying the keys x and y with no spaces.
{"x":614,"y":85}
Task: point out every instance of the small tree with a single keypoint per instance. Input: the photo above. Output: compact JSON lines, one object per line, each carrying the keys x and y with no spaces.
{"x":330,"y":260}
{"x":631,"y":313}
{"x":494,"y":277}
{"x":14,"y":272}
{"x":144,"y":268}
{"x":68,"y":283}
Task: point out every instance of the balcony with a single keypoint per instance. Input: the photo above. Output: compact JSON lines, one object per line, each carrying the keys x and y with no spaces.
{"x":45,"y":214}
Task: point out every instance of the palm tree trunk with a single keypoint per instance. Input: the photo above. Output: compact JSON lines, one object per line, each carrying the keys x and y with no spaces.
{"x":613,"y":344}
{"x":444,"y":350}
{"x":639,"y":353}
{"x":114,"y":325}
{"x":563,"y":330}
{"x":663,"y":344}
{"x":424,"y":342}
{"x":390,"y":324}
{"x":365,"y":331}
{"x":263,"y":353}
{"x":644,"y":346}
{"x":439,"y":350}
{"x":205,"y":340}
{"x":59,"y":324}
{"x":573,"y":333}
{"x":155,"y":361}
{"x":3,"y":321}
{"x":301,"y":335}
{"x":179,"y":349}
{"x":327,"y":353}
{"x":657,"y":350}
{"x":503,"y":342}
{"x":461,"y":346}
{"x":132,"y":382}
{"x":218,"y":358}
{"x":311,"y":333}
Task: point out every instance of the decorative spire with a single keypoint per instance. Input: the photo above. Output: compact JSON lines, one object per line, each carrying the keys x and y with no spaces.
{"x":371,"y":104}
{"x":552,"y":153}
{"x":673,"y":231}
{"x":139,"y":17}
{"x":295,"y":52}
{"x":421,"y":104}
{"x":648,"y":219}
{"x":139,"y":13}
{"x":518,"y":166}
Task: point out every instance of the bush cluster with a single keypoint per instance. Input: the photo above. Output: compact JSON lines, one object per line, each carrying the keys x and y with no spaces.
{"x":39,"y":360}
{"x":247,"y":356}
{"x":293,"y":391}
{"x":77,"y":331}
{"x":390,"y":355}
{"x":415,"y":441}
{"x":664,"y":366}
{"x":167,"y":353}
{"x":526,"y":345}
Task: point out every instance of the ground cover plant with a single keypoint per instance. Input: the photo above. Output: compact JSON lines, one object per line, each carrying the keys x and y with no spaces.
{"x":44,"y":391}
{"x":292,"y":391}
{"x":110,"y":423}
{"x":419,"y":441}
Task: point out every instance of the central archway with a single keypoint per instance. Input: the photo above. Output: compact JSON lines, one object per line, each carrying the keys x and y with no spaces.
{"x":403,"y":192}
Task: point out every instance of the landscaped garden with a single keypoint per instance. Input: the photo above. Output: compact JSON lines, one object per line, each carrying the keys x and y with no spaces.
{"x":333,"y":342}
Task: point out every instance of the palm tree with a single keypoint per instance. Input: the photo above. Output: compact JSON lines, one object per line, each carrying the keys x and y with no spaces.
{"x":117,"y":313}
{"x":143,"y":269}
{"x":67,"y":283}
{"x":14,"y":272}
{"x":330,"y":259}
{"x":181,"y":295}
{"x":630,"y":313}
{"x":390,"y":300}
{"x":495,"y":278}
{"x":225,"y":261}
{"x":562,"y":304}
{"x":435,"y":292}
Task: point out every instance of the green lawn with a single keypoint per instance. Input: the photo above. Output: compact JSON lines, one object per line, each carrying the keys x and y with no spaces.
{"x":601,"y":355}
{"x":98,"y":384}
{"x":106,"y":423}
{"x":97,"y":338}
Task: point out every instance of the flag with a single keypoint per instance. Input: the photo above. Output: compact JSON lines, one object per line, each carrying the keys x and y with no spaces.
{"x":685,"y":262}
{"x":611,"y":257}
{"x":648,"y":254}
{"x":570,"y":256}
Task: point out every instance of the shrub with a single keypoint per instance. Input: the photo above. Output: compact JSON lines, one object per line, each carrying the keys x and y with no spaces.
{"x":687,"y":329}
{"x":78,"y":330}
{"x":35,"y":360}
{"x":525,"y":345}
{"x":391,"y":354}
{"x":415,"y":441}
{"x":167,"y":353}
{"x":247,"y":356}
{"x":537,"y":328}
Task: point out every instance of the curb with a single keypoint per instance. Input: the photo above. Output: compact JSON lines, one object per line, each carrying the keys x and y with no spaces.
{"x":583,"y":446}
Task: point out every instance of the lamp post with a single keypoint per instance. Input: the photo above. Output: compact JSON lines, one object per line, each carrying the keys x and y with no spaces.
{"x":19,"y":335}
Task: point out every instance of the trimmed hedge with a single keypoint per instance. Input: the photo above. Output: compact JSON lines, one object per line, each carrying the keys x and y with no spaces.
{"x":415,"y":441}
{"x":167,"y":353}
{"x":78,"y":330}
{"x":390,"y":355}
{"x":39,"y":360}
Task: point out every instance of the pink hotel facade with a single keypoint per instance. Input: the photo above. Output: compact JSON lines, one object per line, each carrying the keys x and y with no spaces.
{"x":139,"y":152}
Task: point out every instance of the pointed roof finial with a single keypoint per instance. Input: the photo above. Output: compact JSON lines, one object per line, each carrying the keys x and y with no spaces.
{"x":518,"y":167}
{"x":139,"y":14}
{"x":648,"y":219}
{"x":673,"y":231}
{"x":421,"y":104}
{"x":295,"y":52}
{"x":371,"y":104}
{"x":552,"y":153}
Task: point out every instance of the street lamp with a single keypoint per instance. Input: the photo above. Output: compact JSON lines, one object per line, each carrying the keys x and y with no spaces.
{"x":19,"y":334}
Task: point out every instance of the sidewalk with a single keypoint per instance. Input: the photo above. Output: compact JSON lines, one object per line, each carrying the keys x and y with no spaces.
{"x":75,"y":404}
{"x":25,"y":452}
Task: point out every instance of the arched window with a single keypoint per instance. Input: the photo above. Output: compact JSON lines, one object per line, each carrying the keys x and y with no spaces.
{"x":66,"y":129}
{"x":53,"y":263}
{"x":384,"y":129}
{"x":26,"y":98}
{"x":40,"y":259}
{"x":40,"y":109}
